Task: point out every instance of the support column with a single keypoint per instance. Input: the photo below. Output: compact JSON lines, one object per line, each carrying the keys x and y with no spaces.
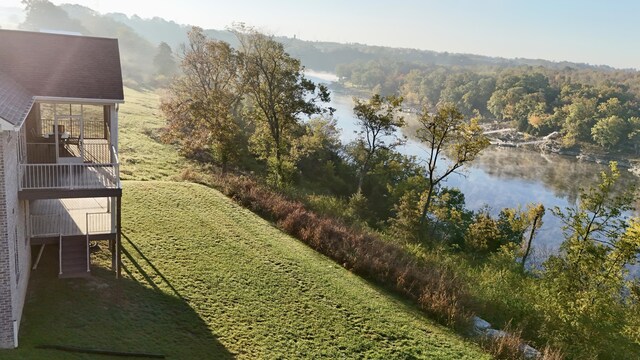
{"x":113,"y":124}
{"x":119,"y":238}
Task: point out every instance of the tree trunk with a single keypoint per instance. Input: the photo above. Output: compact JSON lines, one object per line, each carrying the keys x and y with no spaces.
{"x":363,"y":172}
{"x":279,"y":175}
{"x":526,"y":253}
{"x":426,"y":205}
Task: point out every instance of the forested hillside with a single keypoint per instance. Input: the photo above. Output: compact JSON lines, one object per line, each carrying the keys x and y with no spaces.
{"x":588,"y":105}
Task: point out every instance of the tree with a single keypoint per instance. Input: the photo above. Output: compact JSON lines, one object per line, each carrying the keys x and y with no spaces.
{"x":634,"y":133}
{"x":317,"y":154}
{"x":42,"y":14}
{"x":609,"y":132}
{"x":378,"y":120}
{"x":533,"y":217}
{"x":202,"y":106}
{"x":579,"y":118}
{"x":447,"y":130}
{"x":163,"y":61}
{"x":279,"y":93}
{"x":585,"y":284}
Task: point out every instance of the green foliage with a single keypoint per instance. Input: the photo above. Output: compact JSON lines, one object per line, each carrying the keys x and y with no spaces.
{"x":379,"y":121}
{"x":583,"y":293}
{"x":451,"y":218}
{"x":609,"y":132}
{"x":579,"y":116}
{"x":319,"y":158}
{"x":278,"y":93}
{"x":406,"y":223}
{"x":483,"y":235}
{"x":537,"y":100}
{"x":202,"y":105}
{"x":447,"y":130}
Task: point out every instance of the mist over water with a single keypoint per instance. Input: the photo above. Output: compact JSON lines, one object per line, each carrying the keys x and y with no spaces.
{"x":500,"y":177}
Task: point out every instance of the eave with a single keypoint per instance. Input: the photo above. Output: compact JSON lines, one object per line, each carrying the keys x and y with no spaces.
{"x":65,"y":100}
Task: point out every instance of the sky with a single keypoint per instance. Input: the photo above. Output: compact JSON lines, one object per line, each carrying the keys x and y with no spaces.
{"x":604,"y":32}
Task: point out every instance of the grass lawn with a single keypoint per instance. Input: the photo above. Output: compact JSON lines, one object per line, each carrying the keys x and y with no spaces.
{"x":142,"y":156}
{"x":205,"y":278}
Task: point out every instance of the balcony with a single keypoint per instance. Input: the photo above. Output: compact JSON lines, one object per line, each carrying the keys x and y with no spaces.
{"x":90,"y":174}
{"x":68,"y":150}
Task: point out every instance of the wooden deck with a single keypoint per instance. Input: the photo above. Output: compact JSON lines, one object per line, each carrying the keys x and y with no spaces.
{"x":68,"y":217}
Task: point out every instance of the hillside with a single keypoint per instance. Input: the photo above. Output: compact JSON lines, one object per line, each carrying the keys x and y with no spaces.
{"x":139,"y":35}
{"x":326,"y":56}
{"x":205,"y":278}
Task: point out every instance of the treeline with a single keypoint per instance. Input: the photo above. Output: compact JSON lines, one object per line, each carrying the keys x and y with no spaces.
{"x":588,"y":106}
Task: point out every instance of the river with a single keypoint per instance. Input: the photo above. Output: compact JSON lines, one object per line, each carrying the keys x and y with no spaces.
{"x":501,"y":177}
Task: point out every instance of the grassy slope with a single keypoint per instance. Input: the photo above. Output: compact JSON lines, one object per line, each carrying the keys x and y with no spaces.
{"x":205,"y":278}
{"x":141,"y":156}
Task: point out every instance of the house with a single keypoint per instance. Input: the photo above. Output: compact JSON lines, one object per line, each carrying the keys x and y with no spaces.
{"x":59,"y":170}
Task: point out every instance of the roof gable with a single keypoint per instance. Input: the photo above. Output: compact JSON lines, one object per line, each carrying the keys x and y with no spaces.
{"x":65,"y":66}
{"x":15,"y":101}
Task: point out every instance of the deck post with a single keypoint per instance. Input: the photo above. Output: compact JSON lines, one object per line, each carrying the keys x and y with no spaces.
{"x":118,"y":246}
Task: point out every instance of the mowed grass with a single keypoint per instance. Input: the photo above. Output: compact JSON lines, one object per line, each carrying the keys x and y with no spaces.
{"x":207,"y":279}
{"x":142,"y":155}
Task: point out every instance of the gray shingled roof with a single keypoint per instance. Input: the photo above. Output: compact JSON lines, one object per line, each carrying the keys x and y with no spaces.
{"x":69,"y":66}
{"x":15,"y":101}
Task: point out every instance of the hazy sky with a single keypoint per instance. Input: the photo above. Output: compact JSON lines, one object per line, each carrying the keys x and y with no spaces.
{"x":597,"y":32}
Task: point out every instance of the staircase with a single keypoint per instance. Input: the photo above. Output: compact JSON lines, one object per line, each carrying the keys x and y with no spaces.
{"x":74,"y":257}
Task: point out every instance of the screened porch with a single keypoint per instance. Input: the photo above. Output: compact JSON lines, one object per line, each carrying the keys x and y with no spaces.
{"x":69,"y":146}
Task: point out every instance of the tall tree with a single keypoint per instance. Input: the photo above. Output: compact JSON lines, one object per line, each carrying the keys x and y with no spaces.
{"x":279,"y":93}
{"x":163,"y":61}
{"x":447,"y":131}
{"x":379,"y":121}
{"x":42,"y":14}
{"x":202,"y":106}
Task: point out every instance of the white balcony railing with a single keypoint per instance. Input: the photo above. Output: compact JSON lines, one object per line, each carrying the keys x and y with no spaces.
{"x":99,"y":223}
{"x":45,"y":225}
{"x":70,"y":176}
{"x":50,"y":225}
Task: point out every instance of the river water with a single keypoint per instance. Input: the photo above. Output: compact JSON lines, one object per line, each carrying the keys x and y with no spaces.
{"x":500,"y":177}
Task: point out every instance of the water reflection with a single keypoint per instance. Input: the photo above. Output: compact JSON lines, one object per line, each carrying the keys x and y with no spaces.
{"x":506,"y":177}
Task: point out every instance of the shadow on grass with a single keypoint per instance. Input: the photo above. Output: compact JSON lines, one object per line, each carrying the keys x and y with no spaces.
{"x":102,"y":312}
{"x":141,"y":270}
